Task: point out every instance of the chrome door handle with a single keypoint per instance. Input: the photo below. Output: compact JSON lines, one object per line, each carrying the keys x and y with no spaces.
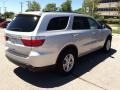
{"x":93,"y":32}
{"x":76,"y":35}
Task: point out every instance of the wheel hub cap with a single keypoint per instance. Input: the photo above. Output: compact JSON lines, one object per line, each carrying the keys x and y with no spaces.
{"x":108,"y":45}
{"x":68,"y":62}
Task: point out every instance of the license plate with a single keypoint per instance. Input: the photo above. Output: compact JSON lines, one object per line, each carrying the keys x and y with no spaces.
{"x":13,"y":40}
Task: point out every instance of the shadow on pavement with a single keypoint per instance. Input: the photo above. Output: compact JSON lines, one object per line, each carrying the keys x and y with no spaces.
{"x":49,"y":79}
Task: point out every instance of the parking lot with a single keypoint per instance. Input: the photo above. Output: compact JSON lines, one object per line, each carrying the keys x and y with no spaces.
{"x":96,"y":71}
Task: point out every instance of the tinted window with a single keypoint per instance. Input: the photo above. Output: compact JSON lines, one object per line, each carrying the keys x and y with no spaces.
{"x":58,"y":23}
{"x":24,"y":23}
{"x":80,"y":23}
{"x":93,"y":24}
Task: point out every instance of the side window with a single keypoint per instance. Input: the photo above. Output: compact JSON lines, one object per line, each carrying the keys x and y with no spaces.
{"x":58,"y":23}
{"x":93,"y":24}
{"x":80,"y":23}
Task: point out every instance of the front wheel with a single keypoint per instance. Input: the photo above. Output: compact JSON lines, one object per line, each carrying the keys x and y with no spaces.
{"x":107,"y":45}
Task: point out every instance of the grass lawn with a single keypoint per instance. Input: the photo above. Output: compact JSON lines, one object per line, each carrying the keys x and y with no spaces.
{"x":114,"y":25}
{"x":116,"y":31}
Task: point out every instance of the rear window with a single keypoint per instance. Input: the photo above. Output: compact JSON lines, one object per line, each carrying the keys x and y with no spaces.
{"x":58,"y":23}
{"x":24,"y":23}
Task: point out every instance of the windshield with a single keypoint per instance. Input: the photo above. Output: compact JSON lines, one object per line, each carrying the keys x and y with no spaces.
{"x":23,"y":23}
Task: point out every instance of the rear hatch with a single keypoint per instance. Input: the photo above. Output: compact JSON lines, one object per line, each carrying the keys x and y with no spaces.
{"x":20,"y":32}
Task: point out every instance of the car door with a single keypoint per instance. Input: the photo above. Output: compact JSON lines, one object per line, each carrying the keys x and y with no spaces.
{"x":96,"y":33}
{"x":82,"y":34}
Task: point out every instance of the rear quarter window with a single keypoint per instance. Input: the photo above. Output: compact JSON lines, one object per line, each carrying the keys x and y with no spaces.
{"x":58,"y":23}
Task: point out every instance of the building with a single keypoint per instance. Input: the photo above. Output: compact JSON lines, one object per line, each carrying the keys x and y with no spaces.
{"x":108,"y":8}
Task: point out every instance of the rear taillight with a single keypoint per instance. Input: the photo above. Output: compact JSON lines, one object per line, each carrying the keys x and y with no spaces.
{"x":6,"y":38}
{"x":33,"y":42}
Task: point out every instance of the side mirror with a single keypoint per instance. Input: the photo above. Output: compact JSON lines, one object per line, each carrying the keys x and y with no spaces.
{"x":103,"y":26}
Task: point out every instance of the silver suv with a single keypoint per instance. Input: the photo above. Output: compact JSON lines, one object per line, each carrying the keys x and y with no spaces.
{"x":39,"y":40}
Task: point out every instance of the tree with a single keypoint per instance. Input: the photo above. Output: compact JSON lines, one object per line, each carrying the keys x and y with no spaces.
{"x":66,"y":6}
{"x":90,"y":6}
{"x":80,"y":10}
{"x":33,"y":6}
{"x":50,"y":7}
{"x":118,"y":9}
{"x":8,"y":15}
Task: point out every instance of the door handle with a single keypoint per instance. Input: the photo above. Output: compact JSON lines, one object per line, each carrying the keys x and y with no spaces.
{"x":76,"y":35}
{"x":93,"y":32}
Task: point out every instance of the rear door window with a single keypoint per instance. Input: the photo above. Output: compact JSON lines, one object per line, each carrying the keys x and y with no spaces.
{"x":58,"y":23}
{"x":80,"y":23}
{"x":23,"y":23}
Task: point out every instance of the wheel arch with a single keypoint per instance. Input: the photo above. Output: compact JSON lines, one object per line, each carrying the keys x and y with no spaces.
{"x":67,"y":47}
{"x":109,"y":37}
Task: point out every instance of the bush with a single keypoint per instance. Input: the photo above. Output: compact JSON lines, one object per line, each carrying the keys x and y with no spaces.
{"x":109,"y":21}
{"x":102,"y":20}
{"x":112,"y":21}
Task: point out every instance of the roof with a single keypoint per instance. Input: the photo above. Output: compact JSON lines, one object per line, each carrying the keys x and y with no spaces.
{"x":32,"y":13}
{"x":39,"y":13}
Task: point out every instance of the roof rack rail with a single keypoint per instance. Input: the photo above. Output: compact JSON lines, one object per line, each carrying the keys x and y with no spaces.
{"x":62,"y":12}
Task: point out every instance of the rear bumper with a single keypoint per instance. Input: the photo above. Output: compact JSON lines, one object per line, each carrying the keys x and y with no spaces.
{"x":33,"y":60}
{"x":29,"y":67}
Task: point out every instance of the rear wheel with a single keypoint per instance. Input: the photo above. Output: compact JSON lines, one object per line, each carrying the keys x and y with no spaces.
{"x":66,"y":62}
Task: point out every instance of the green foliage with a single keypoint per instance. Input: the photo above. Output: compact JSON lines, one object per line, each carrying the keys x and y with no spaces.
{"x":66,"y":6}
{"x":34,"y":6}
{"x":118,"y":8}
{"x":50,"y":7}
{"x":80,"y":10}
{"x":98,"y":16}
{"x":90,"y":6}
{"x":8,"y":15}
{"x":112,"y":21}
{"x":116,"y":31}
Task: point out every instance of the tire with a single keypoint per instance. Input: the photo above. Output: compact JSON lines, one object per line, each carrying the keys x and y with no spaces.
{"x":107,"y":45}
{"x":66,"y":62}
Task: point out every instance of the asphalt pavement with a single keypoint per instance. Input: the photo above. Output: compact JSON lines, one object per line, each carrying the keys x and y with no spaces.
{"x":96,"y":71}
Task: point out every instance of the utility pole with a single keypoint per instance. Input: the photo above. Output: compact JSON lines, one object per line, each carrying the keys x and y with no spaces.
{"x":21,"y":4}
{"x":93,"y":7}
{"x":0,"y":10}
{"x":28,"y":3}
{"x":5,"y":9}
